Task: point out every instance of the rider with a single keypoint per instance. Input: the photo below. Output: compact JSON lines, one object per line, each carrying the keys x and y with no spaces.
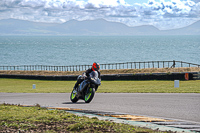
{"x":95,"y":67}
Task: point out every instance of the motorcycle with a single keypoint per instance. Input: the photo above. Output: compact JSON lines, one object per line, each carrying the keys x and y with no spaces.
{"x":86,"y":89}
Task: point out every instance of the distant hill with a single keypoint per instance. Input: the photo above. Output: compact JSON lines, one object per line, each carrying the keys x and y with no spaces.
{"x":101,"y":27}
{"x":88,"y":27}
{"x":22,"y":27}
{"x":193,"y":29}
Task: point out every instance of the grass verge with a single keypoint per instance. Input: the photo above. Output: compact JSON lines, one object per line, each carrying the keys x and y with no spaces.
{"x":44,"y":86}
{"x":113,"y":71}
{"x":36,"y":119}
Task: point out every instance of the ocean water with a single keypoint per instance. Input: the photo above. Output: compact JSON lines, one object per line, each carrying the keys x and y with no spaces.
{"x":73,"y":50}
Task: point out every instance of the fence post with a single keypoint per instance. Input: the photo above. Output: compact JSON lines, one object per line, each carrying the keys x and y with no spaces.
{"x":174,"y":63}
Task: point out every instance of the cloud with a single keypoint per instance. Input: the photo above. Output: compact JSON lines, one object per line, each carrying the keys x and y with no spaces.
{"x":175,"y":8}
{"x":164,"y":15}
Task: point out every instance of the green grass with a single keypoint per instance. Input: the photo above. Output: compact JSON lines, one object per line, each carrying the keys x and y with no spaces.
{"x":157,"y":86}
{"x":36,"y":119}
{"x":44,"y":86}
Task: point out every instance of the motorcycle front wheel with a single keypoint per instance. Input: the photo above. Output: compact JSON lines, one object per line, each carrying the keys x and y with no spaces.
{"x":73,"y":97}
{"x":89,"y":95}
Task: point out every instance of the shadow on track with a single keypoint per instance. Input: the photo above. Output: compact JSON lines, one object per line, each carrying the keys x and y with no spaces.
{"x":74,"y":103}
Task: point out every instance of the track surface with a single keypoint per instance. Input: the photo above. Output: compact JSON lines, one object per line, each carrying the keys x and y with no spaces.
{"x":175,"y":106}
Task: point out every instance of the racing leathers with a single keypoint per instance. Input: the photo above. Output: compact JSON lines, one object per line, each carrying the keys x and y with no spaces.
{"x":87,"y":73}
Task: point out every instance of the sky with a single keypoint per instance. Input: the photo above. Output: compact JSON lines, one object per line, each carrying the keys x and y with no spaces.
{"x":163,"y":14}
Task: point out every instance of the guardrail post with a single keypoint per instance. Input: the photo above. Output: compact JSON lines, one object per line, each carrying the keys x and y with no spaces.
{"x":174,"y":63}
{"x":139,"y":65}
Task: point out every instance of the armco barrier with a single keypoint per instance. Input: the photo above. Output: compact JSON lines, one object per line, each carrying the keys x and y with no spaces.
{"x":146,"y":76}
{"x":39,"y":77}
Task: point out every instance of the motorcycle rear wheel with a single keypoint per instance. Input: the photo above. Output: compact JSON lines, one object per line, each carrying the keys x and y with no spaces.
{"x":89,"y":96}
{"x":73,"y":97}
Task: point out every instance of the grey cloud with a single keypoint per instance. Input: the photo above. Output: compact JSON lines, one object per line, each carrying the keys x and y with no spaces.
{"x":155,"y":13}
{"x":9,"y":3}
{"x":173,"y":9}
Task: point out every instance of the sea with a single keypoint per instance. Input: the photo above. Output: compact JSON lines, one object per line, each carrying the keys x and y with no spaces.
{"x":84,"y":50}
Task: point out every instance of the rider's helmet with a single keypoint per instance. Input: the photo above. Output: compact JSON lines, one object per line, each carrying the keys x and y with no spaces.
{"x":95,"y":66}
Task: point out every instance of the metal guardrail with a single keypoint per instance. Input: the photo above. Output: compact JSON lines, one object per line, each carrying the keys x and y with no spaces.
{"x":110,"y":66}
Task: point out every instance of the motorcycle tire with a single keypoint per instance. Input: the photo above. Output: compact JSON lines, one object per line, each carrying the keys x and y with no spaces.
{"x":89,"y":96}
{"x":73,"y":97}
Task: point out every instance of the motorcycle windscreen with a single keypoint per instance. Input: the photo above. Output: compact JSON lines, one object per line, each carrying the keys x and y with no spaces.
{"x":94,"y":75}
{"x":94,"y":78}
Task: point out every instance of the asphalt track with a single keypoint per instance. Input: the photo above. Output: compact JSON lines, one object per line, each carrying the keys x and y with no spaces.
{"x":181,"y":106}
